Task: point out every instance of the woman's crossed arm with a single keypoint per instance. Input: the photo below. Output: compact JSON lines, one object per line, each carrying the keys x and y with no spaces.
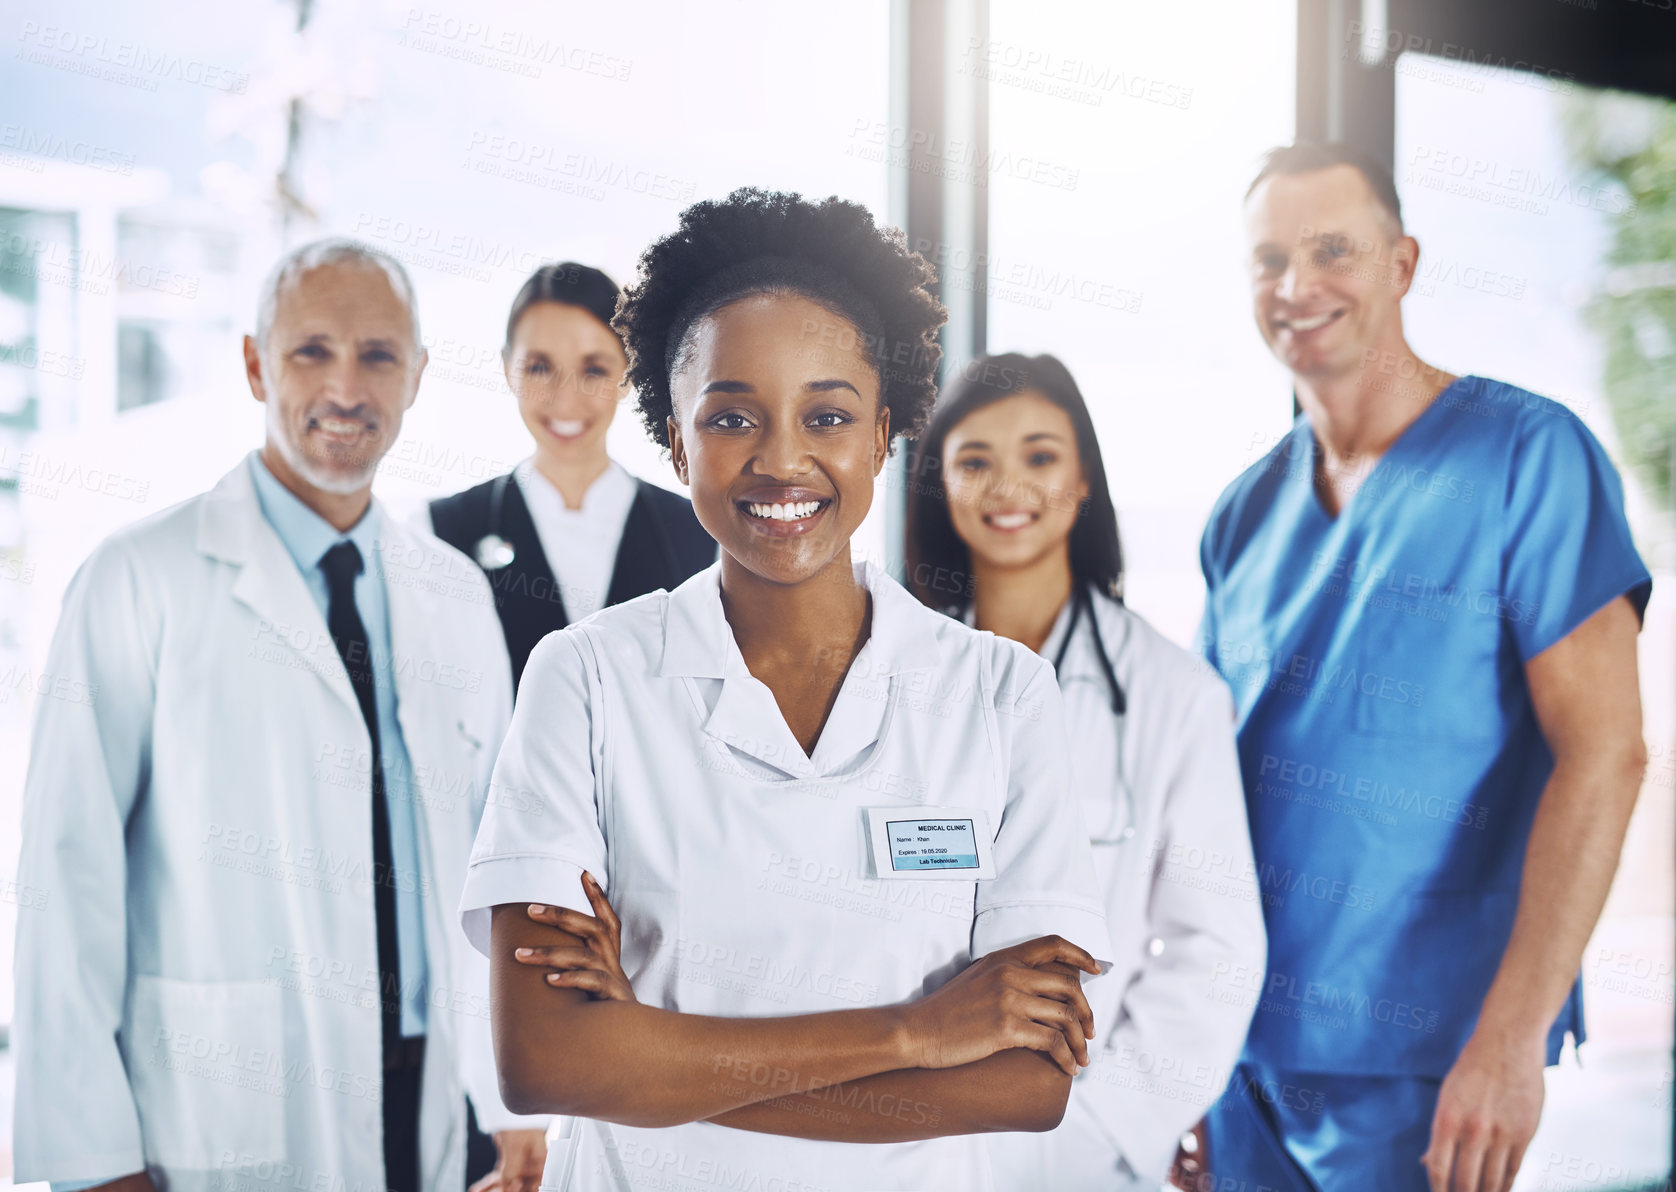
{"x":993,"y":1049}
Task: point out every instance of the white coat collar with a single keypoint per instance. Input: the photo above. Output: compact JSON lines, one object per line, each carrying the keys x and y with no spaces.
{"x":699,"y":644}
{"x":1081,"y":662}
{"x":698,"y":641}
{"x":231,"y":528}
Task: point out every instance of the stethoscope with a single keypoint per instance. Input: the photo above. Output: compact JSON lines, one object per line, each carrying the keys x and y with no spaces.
{"x":1080,"y":601}
{"x":1122,"y":826}
{"x":493,"y":552}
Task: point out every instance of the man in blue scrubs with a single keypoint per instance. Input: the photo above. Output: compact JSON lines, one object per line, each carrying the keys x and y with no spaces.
{"x":1426,"y":601}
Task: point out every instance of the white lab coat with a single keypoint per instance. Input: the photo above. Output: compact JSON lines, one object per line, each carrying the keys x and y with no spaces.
{"x":196,"y":990}
{"x":1172,"y":855}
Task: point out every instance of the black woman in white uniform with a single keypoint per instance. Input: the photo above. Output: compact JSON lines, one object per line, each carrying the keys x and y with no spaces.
{"x":850,"y":896}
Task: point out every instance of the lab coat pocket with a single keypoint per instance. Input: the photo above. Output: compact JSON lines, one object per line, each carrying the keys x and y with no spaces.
{"x":206,"y":1063}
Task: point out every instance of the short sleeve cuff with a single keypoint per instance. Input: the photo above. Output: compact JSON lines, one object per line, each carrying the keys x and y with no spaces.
{"x":1013,"y":923}
{"x":1635,"y":585}
{"x":491,"y":881}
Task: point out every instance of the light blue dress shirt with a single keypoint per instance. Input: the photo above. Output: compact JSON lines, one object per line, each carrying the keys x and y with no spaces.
{"x":308,"y":536}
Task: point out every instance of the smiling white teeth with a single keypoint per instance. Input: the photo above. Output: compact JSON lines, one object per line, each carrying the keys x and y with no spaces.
{"x":1312,"y":323}
{"x":1009,"y":521}
{"x":339,"y":426}
{"x":566,"y":428}
{"x":784,"y":511}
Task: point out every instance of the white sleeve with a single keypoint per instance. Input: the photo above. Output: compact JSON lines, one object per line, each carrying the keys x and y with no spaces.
{"x":1176,"y":1042}
{"x":477,"y":1047}
{"x":542,"y":828}
{"x":1044,"y":869}
{"x":419,"y":518}
{"x":89,"y":759}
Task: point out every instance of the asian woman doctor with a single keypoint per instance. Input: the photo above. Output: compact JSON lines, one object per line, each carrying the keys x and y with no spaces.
{"x":1011,"y":527}
{"x":855,"y":895}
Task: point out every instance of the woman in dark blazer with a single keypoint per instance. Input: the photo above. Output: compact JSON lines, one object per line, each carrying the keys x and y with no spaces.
{"x":568,"y":531}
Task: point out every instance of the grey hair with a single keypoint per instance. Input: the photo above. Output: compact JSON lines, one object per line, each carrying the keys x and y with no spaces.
{"x":334,"y":250}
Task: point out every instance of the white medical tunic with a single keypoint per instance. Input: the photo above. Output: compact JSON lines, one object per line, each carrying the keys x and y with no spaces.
{"x":741,"y":867}
{"x":1160,"y":792}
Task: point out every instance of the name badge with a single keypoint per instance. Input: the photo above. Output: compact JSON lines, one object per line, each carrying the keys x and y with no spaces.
{"x":931,"y":842}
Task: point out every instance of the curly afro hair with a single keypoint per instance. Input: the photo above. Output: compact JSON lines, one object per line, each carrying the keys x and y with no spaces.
{"x":772,"y":242}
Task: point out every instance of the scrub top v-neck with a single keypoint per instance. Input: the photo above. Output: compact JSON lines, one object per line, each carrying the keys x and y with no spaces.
{"x":1388,"y":470}
{"x":643,"y":750}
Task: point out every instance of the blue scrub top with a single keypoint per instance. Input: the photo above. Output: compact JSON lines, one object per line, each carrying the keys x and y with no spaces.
{"x":1391,"y":757}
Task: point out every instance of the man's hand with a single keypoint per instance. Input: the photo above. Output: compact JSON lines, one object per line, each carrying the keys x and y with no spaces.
{"x":1486,"y":1114}
{"x":521,"y":1156}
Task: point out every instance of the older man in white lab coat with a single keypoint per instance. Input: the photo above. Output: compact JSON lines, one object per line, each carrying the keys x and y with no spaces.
{"x":252,"y":833}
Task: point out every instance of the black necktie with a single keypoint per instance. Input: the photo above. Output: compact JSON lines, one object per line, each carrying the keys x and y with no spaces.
{"x":341,"y":565}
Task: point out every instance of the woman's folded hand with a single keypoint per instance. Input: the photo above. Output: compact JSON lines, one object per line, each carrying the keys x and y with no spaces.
{"x":597,"y":966}
{"x":1027,"y":996}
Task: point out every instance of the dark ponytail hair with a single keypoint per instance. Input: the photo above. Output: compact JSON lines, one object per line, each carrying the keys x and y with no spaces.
{"x":568,"y":283}
{"x":938,"y":561}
